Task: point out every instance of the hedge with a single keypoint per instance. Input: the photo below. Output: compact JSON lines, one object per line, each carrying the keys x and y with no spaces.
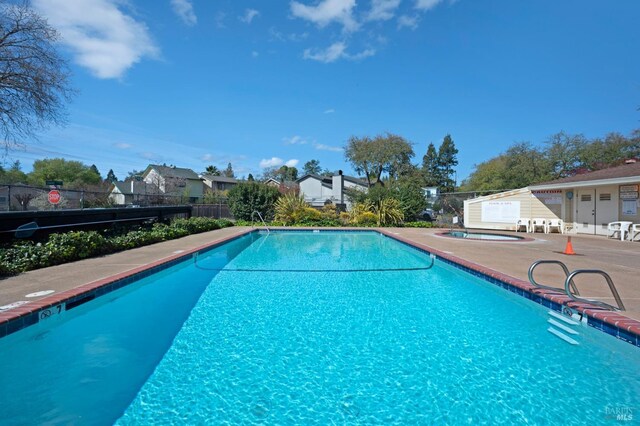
{"x":69,"y":246}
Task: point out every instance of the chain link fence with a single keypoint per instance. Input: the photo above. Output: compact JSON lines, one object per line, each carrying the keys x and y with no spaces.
{"x":450,"y":205}
{"x":33,"y":198}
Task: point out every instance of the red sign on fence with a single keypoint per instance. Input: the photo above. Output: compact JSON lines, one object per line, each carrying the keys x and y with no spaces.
{"x":54,"y":196}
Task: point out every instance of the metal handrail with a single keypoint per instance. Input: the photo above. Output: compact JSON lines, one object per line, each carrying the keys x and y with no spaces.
{"x":606,"y":276}
{"x":263,"y":222}
{"x":552,"y":262}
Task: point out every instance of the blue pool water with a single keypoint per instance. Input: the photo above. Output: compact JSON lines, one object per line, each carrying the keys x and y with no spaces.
{"x":196,"y":345}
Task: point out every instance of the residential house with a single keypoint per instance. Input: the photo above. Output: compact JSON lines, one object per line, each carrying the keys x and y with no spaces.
{"x":319,"y":190}
{"x":130,"y":192}
{"x":586,"y":203}
{"x":176,"y":181}
{"x":218,"y":183}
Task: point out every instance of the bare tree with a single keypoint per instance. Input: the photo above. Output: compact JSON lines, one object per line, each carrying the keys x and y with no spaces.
{"x":33,"y":76}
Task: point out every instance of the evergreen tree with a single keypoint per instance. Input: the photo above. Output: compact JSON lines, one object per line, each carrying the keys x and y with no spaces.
{"x":213,"y":170}
{"x":447,"y":160}
{"x":111,"y":177}
{"x":250,"y":178}
{"x":94,"y":169}
{"x":431,"y":167}
{"x":229,"y":171}
{"x":312,"y":167}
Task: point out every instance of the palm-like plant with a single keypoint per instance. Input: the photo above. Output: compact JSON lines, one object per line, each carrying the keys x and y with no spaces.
{"x":288,"y":205}
{"x":389,"y":212}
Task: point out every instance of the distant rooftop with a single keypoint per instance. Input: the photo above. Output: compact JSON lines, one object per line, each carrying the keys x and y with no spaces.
{"x":631,"y":170}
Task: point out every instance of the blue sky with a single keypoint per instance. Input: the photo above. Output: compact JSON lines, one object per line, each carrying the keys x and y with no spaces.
{"x":257,"y":83}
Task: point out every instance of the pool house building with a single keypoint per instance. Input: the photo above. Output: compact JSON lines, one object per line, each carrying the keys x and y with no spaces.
{"x":585,"y":203}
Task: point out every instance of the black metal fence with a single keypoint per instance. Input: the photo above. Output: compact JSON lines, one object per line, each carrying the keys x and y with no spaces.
{"x":33,"y":198}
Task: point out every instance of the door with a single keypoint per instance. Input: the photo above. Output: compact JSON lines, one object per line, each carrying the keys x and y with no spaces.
{"x":586,"y":211}
{"x":606,"y":207}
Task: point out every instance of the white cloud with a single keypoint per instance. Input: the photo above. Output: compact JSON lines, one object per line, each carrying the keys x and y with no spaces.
{"x":406,"y":21}
{"x":326,"y":12}
{"x":184,"y":9}
{"x":277,"y":162}
{"x":295,"y":140}
{"x":277,"y":35}
{"x":337,"y":50}
{"x":427,"y":4}
{"x":248,"y":16}
{"x":122,"y":145}
{"x":207,"y":157}
{"x":382,"y":10}
{"x":151,"y":156}
{"x":271,"y":162}
{"x":219,"y":20}
{"x":101,"y":36}
{"x":329,"y":111}
{"x":323,"y":147}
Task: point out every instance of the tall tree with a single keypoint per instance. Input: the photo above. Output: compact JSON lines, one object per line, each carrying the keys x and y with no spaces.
{"x":13,"y":175}
{"x":431,"y":166}
{"x":250,"y":178}
{"x":33,"y":76}
{"x":228,"y":172}
{"x":373,"y":157}
{"x":312,"y":167}
{"x":74,"y":174}
{"x":563,"y":153}
{"x":95,"y":170}
{"x":213,"y":170}
{"x":447,"y":160}
{"x":111,"y":176}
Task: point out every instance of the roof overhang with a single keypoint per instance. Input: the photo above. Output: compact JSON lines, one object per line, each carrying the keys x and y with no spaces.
{"x":587,"y":183}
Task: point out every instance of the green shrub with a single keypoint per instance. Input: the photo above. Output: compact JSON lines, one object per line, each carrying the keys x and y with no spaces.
{"x":419,"y":225}
{"x":74,"y":245}
{"x":61,"y":248}
{"x":288,"y":207}
{"x":247,"y":197}
{"x":365,"y":219}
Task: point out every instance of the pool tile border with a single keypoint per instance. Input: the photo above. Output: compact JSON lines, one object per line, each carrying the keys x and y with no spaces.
{"x":610,"y":322}
{"x":29,"y":314}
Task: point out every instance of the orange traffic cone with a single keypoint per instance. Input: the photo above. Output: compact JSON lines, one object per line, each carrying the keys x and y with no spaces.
{"x":569,"y":248}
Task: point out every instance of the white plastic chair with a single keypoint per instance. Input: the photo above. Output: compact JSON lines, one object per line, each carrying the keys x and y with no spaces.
{"x":523,"y":222}
{"x":621,"y":228}
{"x":554,"y":224}
{"x":635,"y":231}
{"x":538,"y":223}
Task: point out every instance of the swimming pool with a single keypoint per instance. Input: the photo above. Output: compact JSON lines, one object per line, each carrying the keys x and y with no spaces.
{"x":481,"y":236}
{"x":300,"y":327}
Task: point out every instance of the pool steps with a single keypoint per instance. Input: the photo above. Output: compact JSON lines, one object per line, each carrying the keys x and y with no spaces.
{"x":560,"y":325}
{"x":562,"y":336}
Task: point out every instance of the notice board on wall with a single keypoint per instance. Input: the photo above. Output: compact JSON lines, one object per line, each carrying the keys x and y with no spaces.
{"x":500,"y":211}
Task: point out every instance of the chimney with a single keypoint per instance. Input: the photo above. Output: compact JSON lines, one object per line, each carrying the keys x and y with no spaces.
{"x":338,"y":187}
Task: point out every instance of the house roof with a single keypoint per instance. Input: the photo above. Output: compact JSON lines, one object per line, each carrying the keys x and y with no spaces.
{"x":612,"y":175}
{"x":172,"y":172}
{"x":214,"y":178}
{"x":139,"y":187}
{"x":328,"y":180}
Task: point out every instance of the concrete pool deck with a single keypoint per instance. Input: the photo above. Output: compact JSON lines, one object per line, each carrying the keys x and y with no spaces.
{"x":620,"y":259}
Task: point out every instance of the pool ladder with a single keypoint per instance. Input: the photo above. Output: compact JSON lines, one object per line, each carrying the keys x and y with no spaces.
{"x":261,"y":218}
{"x":563,"y":326}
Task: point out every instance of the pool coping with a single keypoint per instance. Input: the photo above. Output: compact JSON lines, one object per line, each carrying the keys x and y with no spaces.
{"x":610,"y":322}
{"x":517,"y":238}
